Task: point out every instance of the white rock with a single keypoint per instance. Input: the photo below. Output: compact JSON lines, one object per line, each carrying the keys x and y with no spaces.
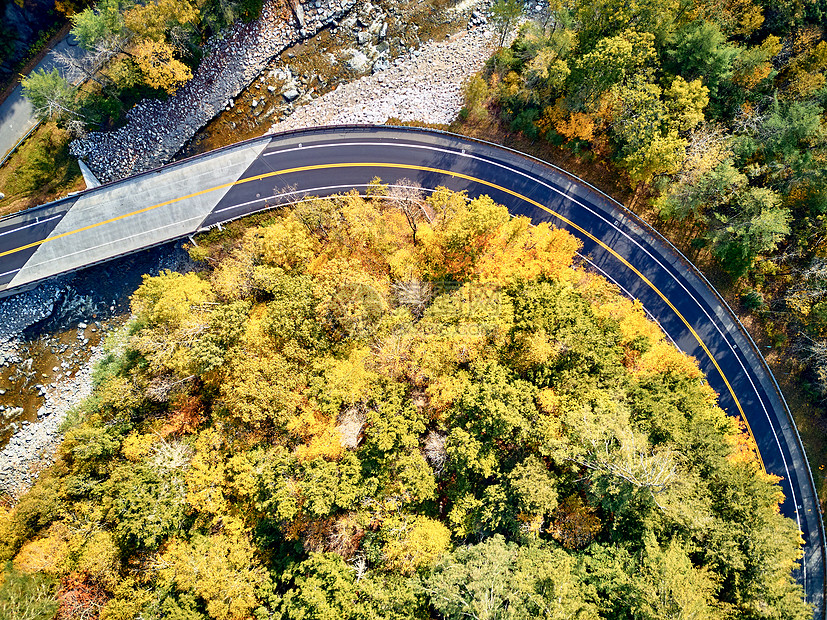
{"x":428,"y":89}
{"x":357,"y":62}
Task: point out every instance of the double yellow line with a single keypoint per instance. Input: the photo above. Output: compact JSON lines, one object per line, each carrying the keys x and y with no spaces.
{"x":458,"y":175}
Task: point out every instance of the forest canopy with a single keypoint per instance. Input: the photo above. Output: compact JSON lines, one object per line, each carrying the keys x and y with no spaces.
{"x":394,"y":407}
{"x":713,"y":112}
{"x":713,"y":109}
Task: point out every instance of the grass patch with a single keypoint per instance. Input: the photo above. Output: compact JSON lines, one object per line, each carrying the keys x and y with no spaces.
{"x":39,"y":171}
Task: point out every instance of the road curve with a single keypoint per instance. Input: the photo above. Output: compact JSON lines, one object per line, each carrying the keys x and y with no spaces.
{"x":217,"y":187}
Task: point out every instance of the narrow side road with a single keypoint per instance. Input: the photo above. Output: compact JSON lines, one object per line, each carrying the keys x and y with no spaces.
{"x":16,"y":113}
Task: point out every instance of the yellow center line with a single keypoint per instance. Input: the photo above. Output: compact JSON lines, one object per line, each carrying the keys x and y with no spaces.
{"x":459,"y":175}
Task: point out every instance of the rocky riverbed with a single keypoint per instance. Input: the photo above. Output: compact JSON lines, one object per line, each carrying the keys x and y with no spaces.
{"x":32,"y":448}
{"x":372,"y":35}
{"x":156,"y":130}
{"x":425,"y":85}
{"x":50,"y":339}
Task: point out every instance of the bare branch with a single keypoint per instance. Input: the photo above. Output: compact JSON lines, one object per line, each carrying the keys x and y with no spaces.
{"x":407,"y":196}
{"x":414,"y":294}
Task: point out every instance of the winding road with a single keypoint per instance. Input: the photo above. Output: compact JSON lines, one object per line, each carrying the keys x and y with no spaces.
{"x":211,"y":189}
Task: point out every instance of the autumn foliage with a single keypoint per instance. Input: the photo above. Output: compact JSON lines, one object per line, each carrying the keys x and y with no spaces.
{"x":365,"y":411}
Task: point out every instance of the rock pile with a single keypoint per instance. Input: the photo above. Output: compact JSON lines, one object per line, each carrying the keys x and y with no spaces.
{"x":25,"y":309}
{"x":156,"y":130}
{"x":32,"y":448}
{"x":424,"y":86}
{"x":8,"y":355}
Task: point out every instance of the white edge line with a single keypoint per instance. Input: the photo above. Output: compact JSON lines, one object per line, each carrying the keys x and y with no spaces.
{"x":611,"y":224}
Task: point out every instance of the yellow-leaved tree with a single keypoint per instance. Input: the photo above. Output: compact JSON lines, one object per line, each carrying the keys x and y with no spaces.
{"x":160,"y":67}
{"x":413,"y":543}
{"x":223,"y":571}
{"x":156,"y":18}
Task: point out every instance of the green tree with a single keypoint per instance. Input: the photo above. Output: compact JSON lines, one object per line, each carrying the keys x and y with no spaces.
{"x":743,"y":547}
{"x":606,"y":18}
{"x":27,"y":597}
{"x":499,"y":580}
{"x":331,"y":487}
{"x":90,"y":448}
{"x":36,"y":510}
{"x":702,"y":196}
{"x":613,"y":61}
{"x":475,"y":581}
{"x":322,"y":588}
{"x":755,"y":224}
{"x":614,"y":574}
{"x":674,"y":588}
{"x":534,"y":487}
{"x":227,"y":326}
{"x":504,"y":15}
{"x":546,"y":74}
{"x":292,"y":313}
{"x":93,"y":25}
{"x":180,"y":607}
{"x":651,"y":144}
{"x":791,"y":139}
{"x":493,"y":406}
{"x":51,"y":95}
{"x":384,"y":596}
{"x":699,"y":50}
{"x":145,"y":506}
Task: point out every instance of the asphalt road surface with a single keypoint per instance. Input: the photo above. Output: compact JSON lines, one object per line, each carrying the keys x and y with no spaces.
{"x":274,"y":170}
{"x":16,"y":113}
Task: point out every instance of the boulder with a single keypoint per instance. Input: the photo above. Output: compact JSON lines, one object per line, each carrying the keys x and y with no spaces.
{"x":381,"y":64}
{"x":357,"y":62}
